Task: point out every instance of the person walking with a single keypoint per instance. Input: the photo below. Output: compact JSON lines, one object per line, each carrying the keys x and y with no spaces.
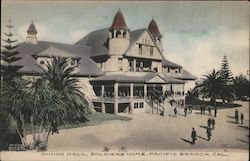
{"x":175,"y":111}
{"x":209,"y":122}
{"x":241,"y":118}
{"x":204,"y":109}
{"x":213,"y":123}
{"x":215,"y":111}
{"x":209,"y":133}
{"x":190,"y":109}
{"x":236,"y":115}
{"x":193,"y":136}
{"x":185,"y":111}
{"x":201,"y":108}
{"x":209,"y":110}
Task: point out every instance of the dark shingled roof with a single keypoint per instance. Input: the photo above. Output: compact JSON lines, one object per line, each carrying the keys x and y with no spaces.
{"x":153,"y":29}
{"x":170,"y":79}
{"x":184,"y":75}
{"x":29,"y":64}
{"x":125,"y":77}
{"x":32,"y":29}
{"x":119,"y":21}
{"x":97,"y":41}
{"x":43,"y":48}
{"x":87,"y":67}
{"x":31,"y":49}
{"x":167,"y":63}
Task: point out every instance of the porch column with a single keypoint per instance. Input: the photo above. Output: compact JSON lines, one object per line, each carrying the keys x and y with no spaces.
{"x":116,"y":98}
{"x":174,"y":89}
{"x":103,"y":108}
{"x":131,"y":97}
{"x":134,"y":63}
{"x":116,"y":107}
{"x":102,"y":91}
{"x":145,"y":91}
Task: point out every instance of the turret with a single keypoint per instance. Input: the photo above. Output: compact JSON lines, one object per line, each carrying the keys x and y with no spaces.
{"x":32,"y":32}
{"x":118,"y":35}
{"x":154,"y":30}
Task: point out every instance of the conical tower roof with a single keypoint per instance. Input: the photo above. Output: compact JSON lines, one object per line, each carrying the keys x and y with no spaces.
{"x":32,"y":29}
{"x":119,"y":21}
{"x":153,"y":29}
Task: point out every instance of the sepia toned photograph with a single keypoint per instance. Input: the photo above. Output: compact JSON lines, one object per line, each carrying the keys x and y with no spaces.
{"x":124,"y":80}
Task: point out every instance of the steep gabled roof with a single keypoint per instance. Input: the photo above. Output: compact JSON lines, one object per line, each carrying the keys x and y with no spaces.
{"x":153,"y":29}
{"x":119,"y":21}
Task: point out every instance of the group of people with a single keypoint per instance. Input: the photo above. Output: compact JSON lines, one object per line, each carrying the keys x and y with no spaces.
{"x":186,"y":110}
{"x":209,"y":108}
{"x":236,"y":115}
{"x":210,"y":127}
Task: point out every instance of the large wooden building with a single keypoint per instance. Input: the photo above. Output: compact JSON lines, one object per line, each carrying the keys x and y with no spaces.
{"x":117,"y":67}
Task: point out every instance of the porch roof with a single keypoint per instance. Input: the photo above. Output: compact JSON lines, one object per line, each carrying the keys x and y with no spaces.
{"x":129,"y":78}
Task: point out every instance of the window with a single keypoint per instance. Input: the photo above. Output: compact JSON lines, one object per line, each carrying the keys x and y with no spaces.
{"x":42,"y":62}
{"x":168,"y":70}
{"x":118,"y":34}
{"x":141,"y":105}
{"x":135,"y":105}
{"x":151,"y":50}
{"x":120,"y":63}
{"x":140,"y":49}
{"x":179,"y":70}
{"x":124,"y":34}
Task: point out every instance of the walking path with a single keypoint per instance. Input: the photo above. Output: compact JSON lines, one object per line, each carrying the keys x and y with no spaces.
{"x":147,"y":132}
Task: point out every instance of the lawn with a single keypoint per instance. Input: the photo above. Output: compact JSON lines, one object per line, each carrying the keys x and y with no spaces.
{"x":95,"y":118}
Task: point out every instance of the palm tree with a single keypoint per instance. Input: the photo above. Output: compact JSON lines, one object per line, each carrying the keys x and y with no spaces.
{"x":211,"y":86}
{"x":15,"y":93}
{"x":59,"y":74}
{"x":65,"y":102}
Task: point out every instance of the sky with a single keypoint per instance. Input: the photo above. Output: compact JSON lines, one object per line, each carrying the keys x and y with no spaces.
{"x":196,"y":34}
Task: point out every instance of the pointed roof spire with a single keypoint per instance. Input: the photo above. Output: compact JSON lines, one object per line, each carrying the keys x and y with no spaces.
{"x":119,"y":21}
{"x":32,"y":29}
{"x":153,"y":28}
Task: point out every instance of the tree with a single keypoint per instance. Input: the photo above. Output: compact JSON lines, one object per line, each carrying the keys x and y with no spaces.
{"x":226,"y":74}
{"x":225,"y":70}
{"x":68,"y":103}
{"x":156,"y":97}
{"x":241,"y":86}
{"x":211,"y":86}
{"x":15,"y":103}
{"x":9,"y":54}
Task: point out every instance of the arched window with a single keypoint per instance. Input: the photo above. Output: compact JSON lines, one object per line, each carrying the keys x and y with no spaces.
{"x":118,"y":34}
{"x":124,"y":34}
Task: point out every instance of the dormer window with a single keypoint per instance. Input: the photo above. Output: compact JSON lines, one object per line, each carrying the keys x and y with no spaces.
{"x":42,"y":62}
{"x":140,"y":49}
{"x":151,"y":50}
